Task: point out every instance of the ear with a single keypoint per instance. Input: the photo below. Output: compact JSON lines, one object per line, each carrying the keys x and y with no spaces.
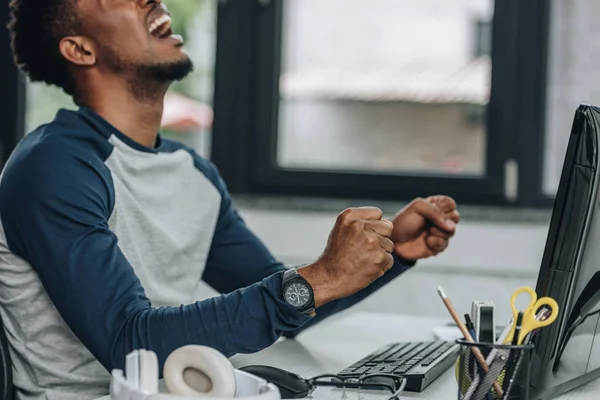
{"x":78,"y":50}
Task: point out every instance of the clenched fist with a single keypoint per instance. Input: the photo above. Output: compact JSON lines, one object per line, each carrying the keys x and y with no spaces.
{"x":357,"y":253}
{"x":423,"y":228}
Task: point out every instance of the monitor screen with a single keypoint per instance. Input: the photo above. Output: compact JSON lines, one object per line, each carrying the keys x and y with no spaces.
{"x":567,"y":353}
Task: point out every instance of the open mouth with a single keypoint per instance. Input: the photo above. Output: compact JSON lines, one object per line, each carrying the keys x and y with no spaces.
{"x":161,"y":28}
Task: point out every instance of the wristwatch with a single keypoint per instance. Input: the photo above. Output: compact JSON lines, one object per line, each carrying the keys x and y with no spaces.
{"x":297,"y":292}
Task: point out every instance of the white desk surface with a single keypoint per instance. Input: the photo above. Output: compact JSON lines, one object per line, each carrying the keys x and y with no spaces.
{"x":333,"y":345}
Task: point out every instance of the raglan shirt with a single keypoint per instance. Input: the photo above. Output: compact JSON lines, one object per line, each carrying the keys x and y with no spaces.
{"x":107,"y":246}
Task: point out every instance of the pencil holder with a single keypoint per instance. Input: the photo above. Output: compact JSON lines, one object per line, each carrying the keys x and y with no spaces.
{"x":507,"y":376}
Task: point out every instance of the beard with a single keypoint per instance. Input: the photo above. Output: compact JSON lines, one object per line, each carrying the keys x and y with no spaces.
{"x":147,"y":81}
{"x":166,"y":72}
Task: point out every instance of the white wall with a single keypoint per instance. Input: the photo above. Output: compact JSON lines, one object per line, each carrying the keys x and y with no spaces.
{"x":573,"y":75}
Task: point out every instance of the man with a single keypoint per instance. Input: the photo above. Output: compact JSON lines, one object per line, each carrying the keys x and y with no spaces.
{"x":113,"y":239}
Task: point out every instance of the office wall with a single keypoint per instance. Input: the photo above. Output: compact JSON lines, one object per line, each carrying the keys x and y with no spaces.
{"x":573,"y":76}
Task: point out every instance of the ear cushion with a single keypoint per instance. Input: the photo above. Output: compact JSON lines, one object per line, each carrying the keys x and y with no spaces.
{"x":199,"y":370}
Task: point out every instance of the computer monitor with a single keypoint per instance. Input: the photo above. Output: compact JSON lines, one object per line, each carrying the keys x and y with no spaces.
{"x":567,"y":353}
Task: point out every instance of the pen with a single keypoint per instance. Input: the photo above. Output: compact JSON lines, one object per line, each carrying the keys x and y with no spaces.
{"x":518,"y":326}
{"x":514,"y":354}
{"x":478,"y":356}
{"x":470,"y":326}
{"x":505,"y":332}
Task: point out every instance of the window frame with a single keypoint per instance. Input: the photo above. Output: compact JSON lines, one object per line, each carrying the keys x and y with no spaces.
{"x":246,"y":114}
{"x":530,"y":132}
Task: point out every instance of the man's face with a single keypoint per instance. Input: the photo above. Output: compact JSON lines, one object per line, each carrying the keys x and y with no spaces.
{"x":134,"y":37}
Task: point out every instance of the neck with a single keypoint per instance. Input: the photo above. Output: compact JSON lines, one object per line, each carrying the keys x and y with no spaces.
{"x":135,"y":113}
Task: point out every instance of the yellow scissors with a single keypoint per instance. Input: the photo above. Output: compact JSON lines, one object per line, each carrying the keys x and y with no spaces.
{"x":530,"y":322}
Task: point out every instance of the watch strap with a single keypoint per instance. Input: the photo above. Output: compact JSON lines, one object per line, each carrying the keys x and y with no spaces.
{"x":290,"y":273}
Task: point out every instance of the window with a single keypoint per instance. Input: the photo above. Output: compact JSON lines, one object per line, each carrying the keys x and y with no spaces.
{"x":392,"y":86}
{"x":389,"y":99}
{"x":188,"y":113}
{"x":382,"y":99}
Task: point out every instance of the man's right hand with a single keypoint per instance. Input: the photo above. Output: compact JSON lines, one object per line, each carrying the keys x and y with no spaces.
{"x":358,"y":252}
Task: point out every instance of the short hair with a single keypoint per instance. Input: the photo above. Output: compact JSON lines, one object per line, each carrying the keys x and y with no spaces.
{"x":36,"y":28}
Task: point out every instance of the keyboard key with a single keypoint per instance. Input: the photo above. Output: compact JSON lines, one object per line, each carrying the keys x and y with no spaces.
{"x":402,"y":348}
{"x":413,"y":360}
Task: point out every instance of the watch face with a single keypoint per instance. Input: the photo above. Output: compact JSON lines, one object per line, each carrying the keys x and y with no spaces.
{"x":297,"y":294}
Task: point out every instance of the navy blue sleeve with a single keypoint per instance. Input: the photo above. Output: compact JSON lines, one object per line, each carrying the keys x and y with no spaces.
{"x":336,"y":306}
{"x":55,"y":203}
{"x":238,"y":258}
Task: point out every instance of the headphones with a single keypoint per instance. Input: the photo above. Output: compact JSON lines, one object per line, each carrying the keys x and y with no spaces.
{"x":190,"y":372}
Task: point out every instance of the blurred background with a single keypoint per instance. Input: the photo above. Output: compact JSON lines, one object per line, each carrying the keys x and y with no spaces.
{"x":311,"y":106}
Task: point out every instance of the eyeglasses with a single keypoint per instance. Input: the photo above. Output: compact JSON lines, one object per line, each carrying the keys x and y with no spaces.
{"x":395,"y":384}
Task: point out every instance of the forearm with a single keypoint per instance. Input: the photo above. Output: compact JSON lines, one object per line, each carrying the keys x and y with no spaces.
{"x":243,"y":321}
{"x":336,"y":306}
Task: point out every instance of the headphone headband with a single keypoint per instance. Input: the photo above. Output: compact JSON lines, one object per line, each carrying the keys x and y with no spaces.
{"x":141,"y":382}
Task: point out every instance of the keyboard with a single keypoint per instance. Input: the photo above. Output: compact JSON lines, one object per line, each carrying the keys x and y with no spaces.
{"x":419,"y":362}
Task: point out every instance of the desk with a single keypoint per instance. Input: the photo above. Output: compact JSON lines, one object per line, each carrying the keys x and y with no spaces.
{"x":333,"y":345}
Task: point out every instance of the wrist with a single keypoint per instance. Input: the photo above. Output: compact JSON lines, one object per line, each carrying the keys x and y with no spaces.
{"x":316,"y":276}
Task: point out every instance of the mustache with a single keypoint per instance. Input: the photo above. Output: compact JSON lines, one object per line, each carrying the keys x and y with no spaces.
{"x":156,"y":11}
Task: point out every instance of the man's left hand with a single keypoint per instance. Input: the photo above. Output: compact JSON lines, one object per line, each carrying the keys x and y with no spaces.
{"x":423,"y":228}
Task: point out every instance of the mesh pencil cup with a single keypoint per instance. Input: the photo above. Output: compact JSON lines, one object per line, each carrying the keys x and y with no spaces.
{"x":507,"y":370}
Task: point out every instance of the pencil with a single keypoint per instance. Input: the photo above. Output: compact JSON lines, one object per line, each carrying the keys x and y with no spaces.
{"x":478,"y":356}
